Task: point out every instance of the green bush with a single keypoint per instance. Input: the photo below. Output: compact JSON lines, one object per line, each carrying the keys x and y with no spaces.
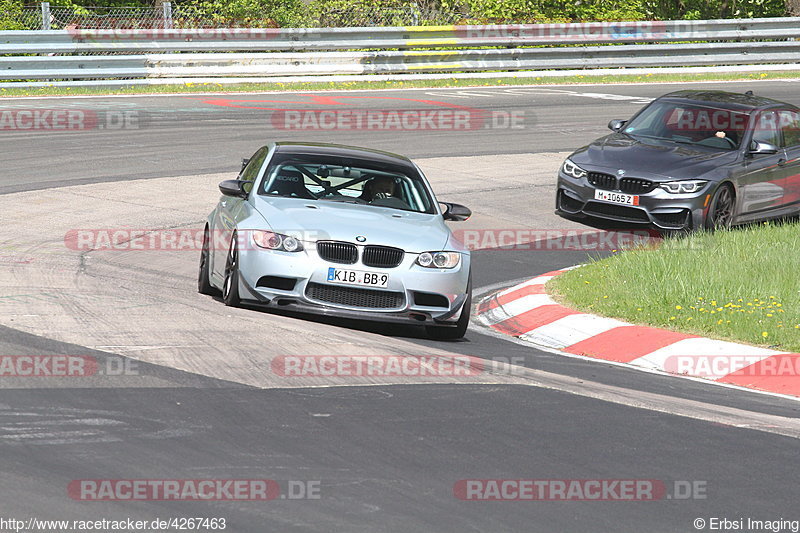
{"x":498,"y":11}
{"x":246,"y":13}
{"x":338,"y":13}
{"x":11,"y":15}
{"x":713,"y":9}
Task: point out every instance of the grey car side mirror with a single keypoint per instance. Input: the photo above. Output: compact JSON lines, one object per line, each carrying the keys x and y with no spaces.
{"x":616,"y":124}
{"x":455,"y":212}
{"x":758,"y":147}
{"x":233,"y":188}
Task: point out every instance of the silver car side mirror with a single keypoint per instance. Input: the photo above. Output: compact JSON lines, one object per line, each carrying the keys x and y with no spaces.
{"x":234,"y":188}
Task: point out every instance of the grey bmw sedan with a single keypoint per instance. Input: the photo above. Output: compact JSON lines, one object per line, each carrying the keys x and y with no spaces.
{"x":689,"y":160}
{"x":340,"y":231}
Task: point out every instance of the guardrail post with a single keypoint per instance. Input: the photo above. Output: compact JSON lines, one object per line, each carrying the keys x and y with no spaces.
{"x":45,"y":15}
{"x":167,"y":15}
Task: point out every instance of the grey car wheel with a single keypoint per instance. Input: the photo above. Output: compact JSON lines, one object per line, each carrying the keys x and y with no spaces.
{"x":720,"y":212}
{"x":230,"y":286}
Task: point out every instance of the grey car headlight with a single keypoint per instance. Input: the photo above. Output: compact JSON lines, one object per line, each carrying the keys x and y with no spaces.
{"x":276,"y":241}
{"x":683,"y":187}
{"x":439,"y":259}
{"x":571,"y":169}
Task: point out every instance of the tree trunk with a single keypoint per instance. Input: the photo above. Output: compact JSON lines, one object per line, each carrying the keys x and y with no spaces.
{"x":793,"y":8}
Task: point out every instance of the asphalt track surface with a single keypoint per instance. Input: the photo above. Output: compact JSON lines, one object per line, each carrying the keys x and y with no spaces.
{"x":387,"y":457}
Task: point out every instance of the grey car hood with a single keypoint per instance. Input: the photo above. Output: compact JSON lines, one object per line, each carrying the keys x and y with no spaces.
{"x":323,"y":220}
{"x":640,"y":157}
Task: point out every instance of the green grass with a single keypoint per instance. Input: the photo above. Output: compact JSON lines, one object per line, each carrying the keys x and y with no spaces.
{"x":741,"y":285}
{"x":501,"y":80}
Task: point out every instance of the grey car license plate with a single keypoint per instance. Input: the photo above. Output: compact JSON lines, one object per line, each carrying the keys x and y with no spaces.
{"x":616,"y":198}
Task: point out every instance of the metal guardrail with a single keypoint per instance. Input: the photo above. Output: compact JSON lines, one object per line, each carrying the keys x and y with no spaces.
{"x":244,"y":52}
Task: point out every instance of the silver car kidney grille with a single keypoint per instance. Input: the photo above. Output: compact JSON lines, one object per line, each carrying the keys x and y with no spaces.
{"x":338,"y":252}
{"x":382,"y":256}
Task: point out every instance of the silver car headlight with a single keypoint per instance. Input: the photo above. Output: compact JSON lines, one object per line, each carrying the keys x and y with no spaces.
{"x":683,"y":187}
{"x":439,"y":259}
{"x":571,"y":169}
{"x":276,"y":241}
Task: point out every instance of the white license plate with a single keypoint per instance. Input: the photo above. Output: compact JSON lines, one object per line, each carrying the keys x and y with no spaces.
{"x":357,"y":277}
{"x":616,"y":198}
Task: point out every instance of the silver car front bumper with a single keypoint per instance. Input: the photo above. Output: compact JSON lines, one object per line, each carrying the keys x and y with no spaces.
{"x":299,"y":281}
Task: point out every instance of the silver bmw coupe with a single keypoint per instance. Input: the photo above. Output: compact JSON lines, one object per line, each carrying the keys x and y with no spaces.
{"x":340,"y":231}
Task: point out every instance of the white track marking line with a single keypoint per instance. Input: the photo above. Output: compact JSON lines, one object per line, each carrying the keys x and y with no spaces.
{"x":541,"y":280}
{"x":571,"y":329}
{"x":445,"y":89}
{"x":517,"y":307}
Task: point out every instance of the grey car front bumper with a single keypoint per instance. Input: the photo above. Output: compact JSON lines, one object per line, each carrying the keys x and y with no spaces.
{"x":575,"y":198}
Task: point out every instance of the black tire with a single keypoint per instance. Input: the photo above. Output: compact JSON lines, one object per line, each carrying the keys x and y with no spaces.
{"x":451,"y":333}
{"x":720,"y":211}
{"x":203,"y":282}
{"x":230,"y":287}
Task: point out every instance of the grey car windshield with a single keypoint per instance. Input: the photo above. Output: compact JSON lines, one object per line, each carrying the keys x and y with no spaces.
{"x":690,"y":123}
{"x":356,"y":182}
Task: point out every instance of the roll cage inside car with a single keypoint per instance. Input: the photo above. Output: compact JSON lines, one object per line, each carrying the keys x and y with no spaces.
{"x":412,"y":194}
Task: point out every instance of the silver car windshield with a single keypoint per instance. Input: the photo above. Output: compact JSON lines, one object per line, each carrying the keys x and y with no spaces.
{"x":690,"y":123}
{"x":332,"y":181}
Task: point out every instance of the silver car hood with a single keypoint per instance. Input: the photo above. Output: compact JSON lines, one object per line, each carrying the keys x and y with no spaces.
{"x":324,"y":220}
